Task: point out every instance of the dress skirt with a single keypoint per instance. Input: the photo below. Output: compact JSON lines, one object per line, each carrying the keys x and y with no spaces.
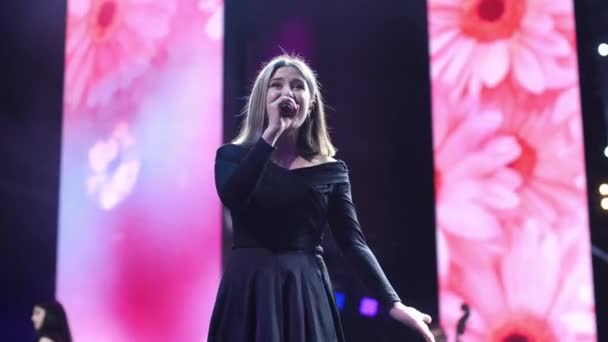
{"x":267,"y":296}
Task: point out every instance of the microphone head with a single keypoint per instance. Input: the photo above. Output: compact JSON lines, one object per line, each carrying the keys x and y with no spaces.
{"x":287,"y":108}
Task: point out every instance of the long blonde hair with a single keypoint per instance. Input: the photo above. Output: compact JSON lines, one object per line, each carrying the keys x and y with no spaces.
{"x":313,"y":135}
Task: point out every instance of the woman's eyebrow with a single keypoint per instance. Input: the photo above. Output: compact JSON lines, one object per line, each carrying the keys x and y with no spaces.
{"x":283,"y":78}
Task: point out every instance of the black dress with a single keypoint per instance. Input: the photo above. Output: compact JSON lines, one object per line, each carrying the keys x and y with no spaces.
{"x":275,"y":286}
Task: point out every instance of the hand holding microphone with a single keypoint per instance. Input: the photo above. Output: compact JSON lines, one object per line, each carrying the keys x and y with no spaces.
{"x":281,"y":113}
{"x":287,"y":108}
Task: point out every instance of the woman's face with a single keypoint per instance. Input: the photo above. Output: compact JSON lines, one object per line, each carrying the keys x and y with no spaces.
{"x":287,"y":81}
{"x":38,"y":317}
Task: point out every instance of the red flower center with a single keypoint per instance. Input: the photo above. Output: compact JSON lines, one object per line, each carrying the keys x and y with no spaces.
{"x":104,"y":18}
{"x":106,"y":14}
{"x":522,"y":327}
{"x":491,"y":10}
{"x":526,"y":163}
{"x":488,"y":20}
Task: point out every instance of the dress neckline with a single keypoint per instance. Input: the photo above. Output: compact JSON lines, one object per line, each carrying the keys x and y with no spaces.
{"x":305,"y":167}
{"x":337,"y":161}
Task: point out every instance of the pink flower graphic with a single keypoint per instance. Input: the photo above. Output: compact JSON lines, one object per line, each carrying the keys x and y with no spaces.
{"x":481,"y":43}
{"x":550,"y":162}
{"x":114,"y":166}
{"x":568,"y":111}
{"x":110,"y":43}
{"x":443,"y":255}
{"x":214,"y":9}
{"x":540,"y":290}
{"x":473,"y":182}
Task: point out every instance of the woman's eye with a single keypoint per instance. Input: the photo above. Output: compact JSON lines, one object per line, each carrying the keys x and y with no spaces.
{"x":275,"y":85}
{"x":299,"y":86}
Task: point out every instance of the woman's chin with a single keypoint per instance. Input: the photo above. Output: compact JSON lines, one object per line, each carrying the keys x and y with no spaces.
{"x":294,"y":126}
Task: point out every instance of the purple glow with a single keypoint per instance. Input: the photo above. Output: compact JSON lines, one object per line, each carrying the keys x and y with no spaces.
{"x":368,"y":307}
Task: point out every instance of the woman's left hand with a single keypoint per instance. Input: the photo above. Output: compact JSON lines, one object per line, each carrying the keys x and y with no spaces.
{"x":413,"y":318}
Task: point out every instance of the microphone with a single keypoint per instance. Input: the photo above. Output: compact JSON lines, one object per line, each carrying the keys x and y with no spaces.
{"x":460,"y":327}
{"x":287,"y":108}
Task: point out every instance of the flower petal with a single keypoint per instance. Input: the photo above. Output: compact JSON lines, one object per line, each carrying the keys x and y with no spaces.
{"x":530,"y":270}
{"x":527,"y":70}
{"x":461,"y":56}
{"x":458,"y":219}
{"x":493,"y":64}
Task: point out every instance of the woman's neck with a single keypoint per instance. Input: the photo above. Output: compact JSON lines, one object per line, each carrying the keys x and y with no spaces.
{"x":286,"y":149}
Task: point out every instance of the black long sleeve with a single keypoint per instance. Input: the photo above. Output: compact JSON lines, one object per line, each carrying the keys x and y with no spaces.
{"x":238,"y":171}
{"x":351,"y":240}
{"x":236,"y":177}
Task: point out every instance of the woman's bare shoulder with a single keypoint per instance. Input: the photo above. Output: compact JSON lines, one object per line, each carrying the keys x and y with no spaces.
{"x":45,"y":339}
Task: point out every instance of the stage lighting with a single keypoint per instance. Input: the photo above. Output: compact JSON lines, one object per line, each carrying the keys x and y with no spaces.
{"x":606,"y":151}
{"x":340,"y":299}
{"x":603,"y":189}
{"x":368,"y":307}
{"x":602,"y":49}
{"x":604,"y":203}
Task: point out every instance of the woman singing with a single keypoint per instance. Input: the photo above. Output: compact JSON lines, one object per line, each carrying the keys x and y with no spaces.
{"x":282,"y":186}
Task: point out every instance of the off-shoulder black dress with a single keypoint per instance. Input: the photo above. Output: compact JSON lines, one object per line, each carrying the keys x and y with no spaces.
{"x":275,"y":286}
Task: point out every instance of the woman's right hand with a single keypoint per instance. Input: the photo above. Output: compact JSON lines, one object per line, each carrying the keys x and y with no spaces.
{"x":277,"y":123}
{"x":413,"y":318}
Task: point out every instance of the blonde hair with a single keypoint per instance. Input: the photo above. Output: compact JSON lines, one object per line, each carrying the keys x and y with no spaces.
{"x":313,"y":135}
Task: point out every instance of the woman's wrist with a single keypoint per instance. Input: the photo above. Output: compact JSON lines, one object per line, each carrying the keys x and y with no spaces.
{"x":395,"y":306}
{"x":271,"y":135}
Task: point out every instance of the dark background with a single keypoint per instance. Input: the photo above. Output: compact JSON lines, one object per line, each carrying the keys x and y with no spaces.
{"x":373,"y":63}
{"x":591,"y":17}
{"x":31,"y":79}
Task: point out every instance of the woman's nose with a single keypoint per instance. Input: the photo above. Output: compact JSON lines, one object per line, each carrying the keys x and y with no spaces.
{"x":287,"y":91}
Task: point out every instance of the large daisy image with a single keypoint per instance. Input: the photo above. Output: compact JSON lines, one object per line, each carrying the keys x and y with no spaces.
{"x":478,"y":44}
{"x":109,"y":44}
